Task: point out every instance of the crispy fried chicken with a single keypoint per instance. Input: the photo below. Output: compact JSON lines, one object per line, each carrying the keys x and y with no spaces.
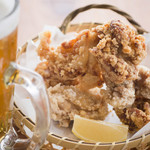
{"x":66,"y":101}
{"x":118,"y":52}
{"x":138,"y":114}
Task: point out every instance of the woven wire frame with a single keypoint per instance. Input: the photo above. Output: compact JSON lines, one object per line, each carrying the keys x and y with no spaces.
{"x":65,"y":141}
{"x":74,"y":13}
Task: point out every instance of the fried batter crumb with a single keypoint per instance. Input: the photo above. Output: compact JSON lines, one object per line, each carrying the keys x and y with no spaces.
{"x":119,"y":51}
{"x":69,"y":60}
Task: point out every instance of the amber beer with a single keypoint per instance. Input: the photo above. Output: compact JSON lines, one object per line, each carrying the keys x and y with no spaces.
{"x":8,"y":46}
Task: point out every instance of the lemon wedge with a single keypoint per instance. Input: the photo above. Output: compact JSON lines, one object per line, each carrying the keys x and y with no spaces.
{"x":98,"y":131}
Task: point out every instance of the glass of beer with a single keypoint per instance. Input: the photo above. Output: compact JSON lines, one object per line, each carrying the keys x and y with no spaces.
{"x":9,"y":15}
{"x":11,"y":74}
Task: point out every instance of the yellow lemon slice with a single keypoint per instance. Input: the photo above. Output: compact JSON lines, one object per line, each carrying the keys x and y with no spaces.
{"x":98,"y":131}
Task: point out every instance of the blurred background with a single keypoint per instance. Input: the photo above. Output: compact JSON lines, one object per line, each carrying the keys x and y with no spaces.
{"x":37,"y":13}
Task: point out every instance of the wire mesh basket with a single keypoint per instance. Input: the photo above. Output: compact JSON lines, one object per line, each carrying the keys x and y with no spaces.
{"x":21,"y":120}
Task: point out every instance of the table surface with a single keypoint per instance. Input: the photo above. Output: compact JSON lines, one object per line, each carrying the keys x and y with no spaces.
{"x":37,"y":13}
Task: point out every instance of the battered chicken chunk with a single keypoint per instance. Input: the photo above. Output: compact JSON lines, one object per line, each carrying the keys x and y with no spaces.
{"x":136,"y":116}
{"x":69,"y":60}
{"x":66,"y":101}
{"x":118,"y":52}
{"x":68,"y":65}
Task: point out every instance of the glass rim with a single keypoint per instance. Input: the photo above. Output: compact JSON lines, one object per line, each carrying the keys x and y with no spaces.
{"x":12,"y":11}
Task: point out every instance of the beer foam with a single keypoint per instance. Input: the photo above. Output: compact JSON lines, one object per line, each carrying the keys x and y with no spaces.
{"x":8,"y":23}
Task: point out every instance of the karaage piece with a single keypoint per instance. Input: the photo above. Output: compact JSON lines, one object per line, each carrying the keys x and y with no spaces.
{"x":136,"y":116}
{"x":69,"y":60}
{"x":142,"y":84}
{"x":66,"y":101}
{"x":118,"y":52}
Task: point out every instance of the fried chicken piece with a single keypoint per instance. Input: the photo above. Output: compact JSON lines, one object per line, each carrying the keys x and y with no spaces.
{"x":139,"y":114}
{"x":118,"y":52}
{"x":136,"y":116}
{"x":69,"y":60}
{"x":142,"y":84}
{"x":72,"y":64}
{"x":66,"y":101}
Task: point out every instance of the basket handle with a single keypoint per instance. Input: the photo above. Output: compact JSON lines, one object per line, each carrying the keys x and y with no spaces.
{"x":74,"y":13}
